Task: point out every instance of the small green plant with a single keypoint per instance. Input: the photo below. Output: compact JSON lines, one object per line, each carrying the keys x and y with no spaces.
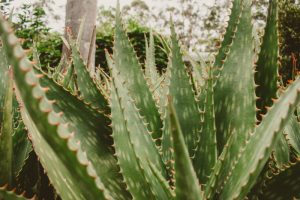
{"x":137,"y":134}
{"x":30,"y":24}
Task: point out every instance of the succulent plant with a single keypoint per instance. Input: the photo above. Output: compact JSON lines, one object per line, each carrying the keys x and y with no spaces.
{"x":186,"y":134}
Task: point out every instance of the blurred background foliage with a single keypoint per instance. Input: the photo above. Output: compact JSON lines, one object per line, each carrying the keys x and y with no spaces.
{"x":289,"y":28}
{"x":31,"y":25}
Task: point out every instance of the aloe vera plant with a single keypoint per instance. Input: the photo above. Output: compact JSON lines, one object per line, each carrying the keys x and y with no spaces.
{"x":138,"y":134}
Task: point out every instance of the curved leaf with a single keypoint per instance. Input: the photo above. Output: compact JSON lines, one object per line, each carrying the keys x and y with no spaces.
{"x":50,"y":132}
{"x":91,"y":128}
{"x":256,"y":151}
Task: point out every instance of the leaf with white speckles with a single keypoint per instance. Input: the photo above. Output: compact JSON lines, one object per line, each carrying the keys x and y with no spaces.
{"x":206,"y":152}
{"x":235,"y":90}
{"x":127,"y":64}
{"x":183,"y":98}
{"x":134,"y":146}
{"x":234,"y":100}
{"x":256,"y":151}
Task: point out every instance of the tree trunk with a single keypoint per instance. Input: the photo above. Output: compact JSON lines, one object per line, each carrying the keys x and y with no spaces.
{"x":76,"y":11}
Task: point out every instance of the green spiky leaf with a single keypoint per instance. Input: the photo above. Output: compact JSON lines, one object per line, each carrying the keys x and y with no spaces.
{"x":206,"y":152}
{"x":234,"y":91}
{"x":51,"y":135}
{"x":134,"y":146}
{"x":267,"y":64}
{"x":10,"y":195}
{"x":198,"y":74}
{"x":235,"y":15}
{"x":86,"y":84}
{"x":126,"y":63}
{"x":67,"y":79}
{"x":284,"y":185}
{"x":282,"y":151}
{"x":181,"y":90}
{"x":94,"y":136}
{"x":293,"y":133}
{"x":21,"y":147}
{"x":259,"y":146}
{"x":28,"y":176}
{"x":186,"y":183}
{"x":234,"y":98}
